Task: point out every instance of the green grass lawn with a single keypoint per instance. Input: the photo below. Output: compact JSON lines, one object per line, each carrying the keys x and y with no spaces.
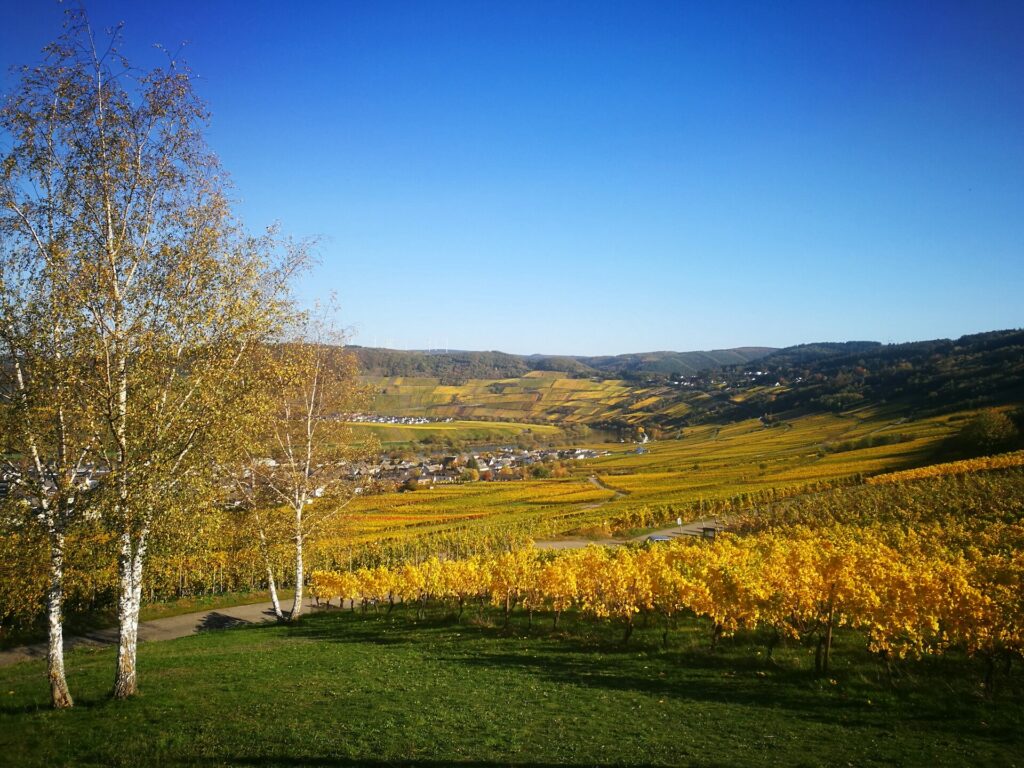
{"x":347,"y":689}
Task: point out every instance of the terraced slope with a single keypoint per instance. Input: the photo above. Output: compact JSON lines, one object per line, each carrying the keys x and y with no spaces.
{"x":538,"y":396}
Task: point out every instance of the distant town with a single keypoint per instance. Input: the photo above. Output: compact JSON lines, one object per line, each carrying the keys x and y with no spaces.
{"x":373,"y":418}
{"x":503,"y":464}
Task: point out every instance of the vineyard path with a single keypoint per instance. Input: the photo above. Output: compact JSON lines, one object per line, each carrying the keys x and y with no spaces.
{"x":156,"y":629}
{"x":694,"y":528}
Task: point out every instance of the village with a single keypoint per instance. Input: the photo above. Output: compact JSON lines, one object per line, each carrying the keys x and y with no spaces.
{"x":372,"y":418}
{"x":393,"y":471}
{"x":503,"y":464}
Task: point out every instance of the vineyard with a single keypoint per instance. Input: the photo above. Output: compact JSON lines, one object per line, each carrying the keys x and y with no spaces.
{"x":538,"y":396}
{"x":889,"y":602}
{"x":706,"y":471}
{"x":710,"y":471}
{"x":982,"y":464}
{"x":890,"y":606}
{"x":720,"y":462}
{"x":917,"y":568}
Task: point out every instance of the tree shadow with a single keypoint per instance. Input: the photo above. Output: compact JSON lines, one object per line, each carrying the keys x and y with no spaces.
{"x":376,"y":629}
{"x":81,"y":703}
{"x":361,"y":762}
{"x":214,"y":621}
{"x":593,"y":655}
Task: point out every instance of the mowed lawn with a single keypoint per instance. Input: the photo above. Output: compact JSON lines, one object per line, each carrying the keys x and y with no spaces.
{"x":347,"y":689}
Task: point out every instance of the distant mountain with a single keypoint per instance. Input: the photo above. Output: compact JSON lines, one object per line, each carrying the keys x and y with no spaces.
{"x":683,"y":363}
{"x":669,"y":390}
{"x":458,"y":366}
{"x":925,"y":377}
{"x":805,"y":354}
{"x":455,"y":366}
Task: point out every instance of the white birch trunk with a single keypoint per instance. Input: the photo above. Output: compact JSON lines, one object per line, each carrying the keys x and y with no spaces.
{"x":271,"y":581}
{"x":278,"y":612}
{"x":129,"y":603}
{"x":299,"y":576}
{"x":60,"y":696}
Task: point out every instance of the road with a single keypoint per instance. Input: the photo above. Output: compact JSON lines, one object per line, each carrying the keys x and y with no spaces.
{"x":157,"y":629}
{"x":598,"y":482}
{"x":696,"y":528}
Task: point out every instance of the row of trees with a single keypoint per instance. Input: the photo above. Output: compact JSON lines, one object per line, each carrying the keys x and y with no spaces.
{"x":909,"y":594}
{"x":150,"y":356}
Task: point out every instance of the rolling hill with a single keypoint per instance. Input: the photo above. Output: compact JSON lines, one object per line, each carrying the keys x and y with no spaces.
{"x":917,"y":379}
{"x":456,"y":367}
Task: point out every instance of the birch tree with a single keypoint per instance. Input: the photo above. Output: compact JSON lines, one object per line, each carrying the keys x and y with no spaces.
{"x":295,"y":479}
{"x":49,"y":435}
{"x":167,"y":297}
{"x":50,"y":428}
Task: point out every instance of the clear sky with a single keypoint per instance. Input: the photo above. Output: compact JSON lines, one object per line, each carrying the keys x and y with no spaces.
{"x":599,"y":178}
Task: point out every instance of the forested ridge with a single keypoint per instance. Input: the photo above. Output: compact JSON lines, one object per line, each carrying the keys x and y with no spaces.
{"x":455,"y":367}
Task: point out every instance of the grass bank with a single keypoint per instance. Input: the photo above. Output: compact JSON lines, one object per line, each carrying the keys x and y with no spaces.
{"x":347,"y":689}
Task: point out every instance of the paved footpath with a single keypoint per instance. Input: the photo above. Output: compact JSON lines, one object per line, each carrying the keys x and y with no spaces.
{"x":157,"y":629}
{"x":695,"y":528}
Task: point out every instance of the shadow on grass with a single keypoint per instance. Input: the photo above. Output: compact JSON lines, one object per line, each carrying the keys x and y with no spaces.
{"x":597,"y":660}
{"x":708,"y":679}
{"x":374,"y":628}
{"x":583,"y":654}
{"x":213,"y":621}
{"x":345,"y":762}
{"x":81,"y":703}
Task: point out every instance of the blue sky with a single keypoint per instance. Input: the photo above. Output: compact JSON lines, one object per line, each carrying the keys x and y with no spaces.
{"x":600,"y":178}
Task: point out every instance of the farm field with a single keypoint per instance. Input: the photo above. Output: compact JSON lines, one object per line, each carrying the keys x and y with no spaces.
{"x":538,"y":396}
{"x":623,"y":493}
{"x":708,"y":463}
{"x":373,"y":689}
{"x":431,"y":509}
{"x":454,"y":431}
{"x":712,"y":462}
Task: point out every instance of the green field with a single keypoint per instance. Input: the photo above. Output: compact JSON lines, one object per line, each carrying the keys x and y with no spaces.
{"x":346,"y":689}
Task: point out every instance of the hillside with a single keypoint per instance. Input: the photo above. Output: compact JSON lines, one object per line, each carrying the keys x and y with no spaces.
{"x":923,"y":378}
{"x":915,"y":379}
{"x":457,"y":367}
{"x":681,"y":363}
